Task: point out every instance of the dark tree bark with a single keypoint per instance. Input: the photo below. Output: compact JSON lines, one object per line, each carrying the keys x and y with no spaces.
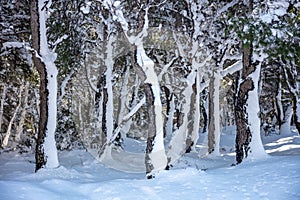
{"x":243,"y":132}
{"x":191,"y":121}
{"x":40,"y":66}
{"x":295,"y":114}
{"x":151,"y":127}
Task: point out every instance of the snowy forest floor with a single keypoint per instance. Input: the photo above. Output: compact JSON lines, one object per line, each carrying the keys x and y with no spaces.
{"x":195,"y":176}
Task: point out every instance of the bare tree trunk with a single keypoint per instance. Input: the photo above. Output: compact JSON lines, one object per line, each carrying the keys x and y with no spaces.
{"x":9,"y":127}
{"x":3,"y":96}
{"x":22,"y":115}
{"x":214,"y":115}
{"x":296,"y":111}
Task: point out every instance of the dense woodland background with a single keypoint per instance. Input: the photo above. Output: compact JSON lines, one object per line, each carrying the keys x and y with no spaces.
{"x":206,"y":56}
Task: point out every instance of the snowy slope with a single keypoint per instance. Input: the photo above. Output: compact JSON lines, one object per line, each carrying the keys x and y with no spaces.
{"x":193,"y":177}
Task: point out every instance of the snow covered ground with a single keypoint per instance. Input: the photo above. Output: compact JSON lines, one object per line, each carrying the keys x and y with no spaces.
{"x":195,"y":176}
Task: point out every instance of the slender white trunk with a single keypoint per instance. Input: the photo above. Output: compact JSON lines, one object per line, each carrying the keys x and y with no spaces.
{"x":8,"y":130}
{"x":109,"y":62}
{"x":196,"y":126}
{"x":23,"y":114}
{"x":285,"y":115}
{"x":169,"y":123}
{"x":3,"y":96}
{"x":285,"y":127}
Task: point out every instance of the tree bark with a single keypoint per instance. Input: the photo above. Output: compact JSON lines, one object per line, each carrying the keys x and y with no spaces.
{"x":43,"y":59}
{"x":243,"y":133}
{"x":189,"y":142}
{"x":9,"y":127}
{"x":296,"y":111}
{"x":40,"y":66}
{"x":3,"y":96}
{"x":23,"y":114}
{"x":151,"y":128}
{"x":214,"y":116}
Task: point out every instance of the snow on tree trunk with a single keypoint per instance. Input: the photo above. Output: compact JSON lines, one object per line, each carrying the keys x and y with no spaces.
{"x":252,"y":109}
{"x":46,"y":152}
{"x":285,"y":123}
{"x":194,"y":116}
{"x":194,"y":120}
{"x":169,"y":112}
{"x":108,"y":101}
{"x":248,"y":140}
{"x":156,"y":158}
{"x":214,"y":116}
{"x":189,"y":142}
{"x":177,"y":145}
{"x":296,"y":110}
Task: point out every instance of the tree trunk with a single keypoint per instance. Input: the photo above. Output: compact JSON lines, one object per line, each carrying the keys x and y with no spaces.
{"x":151,"y":128}
{"x":285,"y":123}
{"x":194,"y":116}
{"x":247,"y":109}
{"x":22,"y":115}
{"x":214,"y":116}
{"x":155,"y":158}
{"x":46,"y":152}
{"x":3,"y":96}
{"x":189,"y":142}
{"x":9,"y":127}
{"x":177,"y":145}
{"x":296,"y":111}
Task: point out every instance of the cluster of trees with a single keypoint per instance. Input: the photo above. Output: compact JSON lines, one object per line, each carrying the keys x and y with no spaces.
{"x":161,"y":71}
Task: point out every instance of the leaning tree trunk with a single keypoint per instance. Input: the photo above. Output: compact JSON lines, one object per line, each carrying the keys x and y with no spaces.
{"x":43,"y":58}
{"x":155,"y":158}
{"x":9,"y":127}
